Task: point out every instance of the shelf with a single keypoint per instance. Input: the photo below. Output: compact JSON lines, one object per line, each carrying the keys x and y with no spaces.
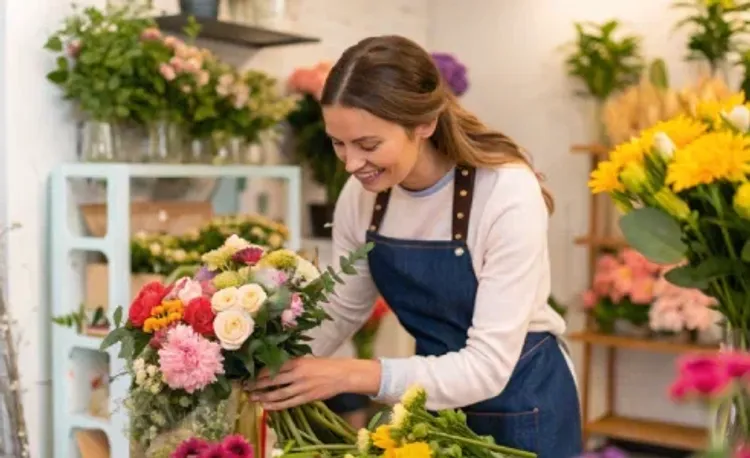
{"x":234,"y":33}
{"x":94,"y":170}
{"x":650,"y":432}
{"x":634,"y":343}
{"x":602,"y":242}
{"x":592,"y":150}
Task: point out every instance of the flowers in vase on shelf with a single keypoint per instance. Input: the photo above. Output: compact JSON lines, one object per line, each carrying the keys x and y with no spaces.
{"x":190,"y":346}
{"x":623,"y":288}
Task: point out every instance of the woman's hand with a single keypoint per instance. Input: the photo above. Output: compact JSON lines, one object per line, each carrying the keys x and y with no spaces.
{"x":306,"y":380}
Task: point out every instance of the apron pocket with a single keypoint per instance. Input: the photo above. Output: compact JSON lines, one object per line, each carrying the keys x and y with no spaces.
{"x":518,"y":430}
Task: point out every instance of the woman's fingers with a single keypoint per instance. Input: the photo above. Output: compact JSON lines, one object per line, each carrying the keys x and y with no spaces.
{"x":287,"y":403}
{"x":283,"y":378}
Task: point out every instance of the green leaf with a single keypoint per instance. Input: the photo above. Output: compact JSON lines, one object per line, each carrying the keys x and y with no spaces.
{"x":113,"y":337}
{"x":272,"y":357}
{"x":58,"y":76}
{"x":127,"y":347}
{"x":346,"y":266}
{"x":699,"y":275}
{"x":117,"y":316}
{"x":745,"y":255}
{"x":654,"y":234}
{"x":334,"y":275}
{"x":54,"y":43}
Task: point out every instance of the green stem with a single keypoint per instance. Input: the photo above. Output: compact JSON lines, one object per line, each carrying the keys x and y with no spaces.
{"x":346,"y":435}
{"x":290,"y":425}
{"x":312,"y":448}
{"x":301,"y":420}
{"x":493,"y":447}
{"x":328,"y":413}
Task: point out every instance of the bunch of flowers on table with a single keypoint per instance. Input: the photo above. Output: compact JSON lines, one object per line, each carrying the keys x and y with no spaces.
{"x":192,"y":345}
{"x":623,"y":288}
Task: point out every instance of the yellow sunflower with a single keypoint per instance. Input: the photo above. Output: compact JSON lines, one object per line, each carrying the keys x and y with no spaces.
{"x":630,"y":151}
{"x":715,"y":156}
{"x":414,"y":450}
{"x":606,"y":178}
{"x":710,"y":111}
{"x":381,"y":438}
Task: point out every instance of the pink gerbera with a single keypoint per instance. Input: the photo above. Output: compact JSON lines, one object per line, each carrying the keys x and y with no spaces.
{"x":237,"y":447}
{"x":188,"y":360}
{"x":190,"y":448}
{"x":215,"y":451}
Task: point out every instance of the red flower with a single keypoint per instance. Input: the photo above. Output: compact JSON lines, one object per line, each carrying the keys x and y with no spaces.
{"x":199,"y":315}
{"x":249,"y":256}
{"x":148,"y":297}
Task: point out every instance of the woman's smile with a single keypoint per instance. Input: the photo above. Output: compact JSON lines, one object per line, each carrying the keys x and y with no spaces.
{"x":369,"y":176}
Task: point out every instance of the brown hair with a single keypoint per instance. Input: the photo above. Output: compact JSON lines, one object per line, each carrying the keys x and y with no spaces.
{"x":395,"y":79}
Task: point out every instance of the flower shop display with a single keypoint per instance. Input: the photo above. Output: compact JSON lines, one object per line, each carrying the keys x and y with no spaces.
{"x":452,"y":71}
{"x":313,"y":148}
{"x":682,"y":186}
{"x":190,"y":346}
{"x":364,"y":338}
{"x":685,"y":313}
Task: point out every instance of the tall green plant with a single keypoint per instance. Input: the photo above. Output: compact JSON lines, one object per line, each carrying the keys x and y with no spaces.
{"x":716,"y":26}
{"x":602,"y":62}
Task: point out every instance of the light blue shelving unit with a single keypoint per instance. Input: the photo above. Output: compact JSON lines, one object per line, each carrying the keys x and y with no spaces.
{"x":67,"y":418}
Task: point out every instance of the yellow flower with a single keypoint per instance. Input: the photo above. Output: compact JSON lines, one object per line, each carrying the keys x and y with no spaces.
{"x":710,"y":111}
{"x":682,"y":130}
{"x":382,"y":439}
{"x":414,"y":398}
{"x":606,"y":178}
{"x":630,"y":151}
{"x":741,"y":201}
{"x":715,"y":156}
{"x":227,"y":279}
{"x":414,"y":450}
{"x":279,"y":259}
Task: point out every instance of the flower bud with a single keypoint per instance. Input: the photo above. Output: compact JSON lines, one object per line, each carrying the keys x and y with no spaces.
{"x":672,"y":204}
{"x":420,"y":431}
{"x":741,"y":201}
{"x":663,"y":145}
{"x":634,"y":177}
{"x":739,"y":118}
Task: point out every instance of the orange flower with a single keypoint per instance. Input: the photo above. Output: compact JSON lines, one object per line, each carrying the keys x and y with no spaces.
{"x":309,"y":80}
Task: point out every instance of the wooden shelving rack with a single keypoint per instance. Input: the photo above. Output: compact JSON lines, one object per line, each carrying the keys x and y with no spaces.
{"x":610,"y":424}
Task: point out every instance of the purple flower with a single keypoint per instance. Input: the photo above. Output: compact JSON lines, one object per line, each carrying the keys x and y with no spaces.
{"x":204,"y":274}
{"x":190,"y":448}
{"x":453,"y":72}
{"x":237,"y":447}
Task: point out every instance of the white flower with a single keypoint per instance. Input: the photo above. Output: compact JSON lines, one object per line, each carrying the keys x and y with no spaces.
{"x":236,"y":243}
{"x":363,"y":441}
{"x":251,"y":297}
{"x":664,"y":145}
{"x":306,"y":271}
{"x":152,"y":370}
{"x":138,"y":364}
{"x":232,"y":328}
{"x":189,"y":290}
{"x":739,"y":117}
{"x":415,"y":396}
{"x":224,"y":299}
{"x":399,"y":415}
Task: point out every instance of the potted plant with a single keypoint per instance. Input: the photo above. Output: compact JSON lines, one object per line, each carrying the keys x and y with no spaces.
{"x":313,"y":147}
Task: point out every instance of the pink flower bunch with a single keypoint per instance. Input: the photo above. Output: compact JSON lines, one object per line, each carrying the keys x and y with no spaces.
{"x":711,"y":376}
{"x":187,"y":60}
{"x":189,"y":361}
{"x":676,"y":308}
{"x":309,"y":80}
{"x":626,"y":275}
{"x":231,"y":447}
{"x":295,"y":310}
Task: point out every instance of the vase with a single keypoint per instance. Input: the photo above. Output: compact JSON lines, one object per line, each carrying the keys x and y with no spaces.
{"x":200,"y":8}
{"x":200,"y":151}
{"x":269,"y":14}
{"x":732,"y":421}
{"x":165,"y":144}
{"x":100,"y":142}
{"x":230,"y":151}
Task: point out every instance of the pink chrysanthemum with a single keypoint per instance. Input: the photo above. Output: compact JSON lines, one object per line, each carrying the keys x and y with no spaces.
{"x":188,"y":360}
{"x":190,"y":448}
{"x":237,"y":447}
{"x":215,"y":451}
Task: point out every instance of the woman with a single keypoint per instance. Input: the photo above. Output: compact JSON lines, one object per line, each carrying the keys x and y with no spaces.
{"x":459,"y":224}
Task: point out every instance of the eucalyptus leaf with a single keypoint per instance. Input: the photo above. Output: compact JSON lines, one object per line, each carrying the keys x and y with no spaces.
{"x":113,"y":337}
{"x":654,"y":234}
{"x":117,"y":316}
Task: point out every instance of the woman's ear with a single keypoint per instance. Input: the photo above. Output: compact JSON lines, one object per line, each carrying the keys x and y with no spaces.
{"x":426,"y":130}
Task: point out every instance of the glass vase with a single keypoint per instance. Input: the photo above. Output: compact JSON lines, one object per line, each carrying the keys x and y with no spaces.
{"x":732,"y":423}
{"x":200,"y":151}
{"x":100,"y":142}
{"x":165,"y":143}
{"x":230,"y":151}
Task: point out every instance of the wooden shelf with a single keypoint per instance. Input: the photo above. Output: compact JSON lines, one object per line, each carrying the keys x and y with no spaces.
{"x":592,"y":150}
{"x":234,"y":33}
{"x":650,"y":432}
{"x":602,"y":242}
{"x":634,"y":343}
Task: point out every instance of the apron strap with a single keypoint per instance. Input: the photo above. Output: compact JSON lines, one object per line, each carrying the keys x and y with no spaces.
{"x":462,"y":198}
{"x":378,"y":212}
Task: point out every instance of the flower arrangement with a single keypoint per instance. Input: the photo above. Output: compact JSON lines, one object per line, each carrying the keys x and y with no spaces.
{"x":189,"y":346}
{"x":313,"y":147}
{"x":676,"y":309}
{"x":623,"y":288}
{"x":234,"y":446}
{"x":452,"y":71}
{"x":364,"y":338}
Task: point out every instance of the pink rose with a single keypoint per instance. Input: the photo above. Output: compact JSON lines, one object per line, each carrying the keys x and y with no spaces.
{"x":172,"y":42}
{"x":150,"y":34}
{"x":288,"y":320}
{"x":178,"y":64}
{"x":167,"y":71}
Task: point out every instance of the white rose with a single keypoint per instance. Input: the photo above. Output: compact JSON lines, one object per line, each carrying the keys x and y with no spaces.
{"x":306,"y":271}
{"x":664,"y":145}
{"x":190,"y":290}
{"x":739,"y":117}
{"x":236,"y":243}
{"x":233,"y":327}
{"x":224,"y":299}
{"x":251,"y":297}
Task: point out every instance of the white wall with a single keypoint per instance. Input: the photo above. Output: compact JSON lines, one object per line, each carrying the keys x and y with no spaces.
{"x":518,"y":85}
{"x":36,"y":134}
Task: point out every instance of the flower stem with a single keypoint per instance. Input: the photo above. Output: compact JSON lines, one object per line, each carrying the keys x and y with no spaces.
{"x":493,"y":447}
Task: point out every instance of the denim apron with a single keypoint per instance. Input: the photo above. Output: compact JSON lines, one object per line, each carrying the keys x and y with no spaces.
{"x":431,"y":287}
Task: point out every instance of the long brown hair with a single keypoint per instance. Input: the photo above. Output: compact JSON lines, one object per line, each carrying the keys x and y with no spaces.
{"x":395,"y":79}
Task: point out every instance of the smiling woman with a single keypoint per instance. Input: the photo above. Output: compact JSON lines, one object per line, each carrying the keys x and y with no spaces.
{"x":458,"y":219}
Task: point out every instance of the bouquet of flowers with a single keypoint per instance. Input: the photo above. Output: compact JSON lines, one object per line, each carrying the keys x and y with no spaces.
{"x":190,"y":346}
{"x":623,"y":288}
{"x":364,"y":339}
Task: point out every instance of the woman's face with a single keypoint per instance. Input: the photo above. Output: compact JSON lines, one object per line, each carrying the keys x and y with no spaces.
{"x":379,"y":153}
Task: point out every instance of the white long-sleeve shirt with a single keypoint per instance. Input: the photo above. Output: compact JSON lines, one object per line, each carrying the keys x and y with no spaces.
{"x":508,"y":242}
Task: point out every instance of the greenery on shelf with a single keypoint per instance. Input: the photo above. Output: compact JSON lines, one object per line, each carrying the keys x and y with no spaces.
{"x":83,"y":318}
{"x":602,"y":62}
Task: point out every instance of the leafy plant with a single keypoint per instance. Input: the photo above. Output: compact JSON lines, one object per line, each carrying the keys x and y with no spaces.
{"x":602,"y":62}
{"x":716,"y":25}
